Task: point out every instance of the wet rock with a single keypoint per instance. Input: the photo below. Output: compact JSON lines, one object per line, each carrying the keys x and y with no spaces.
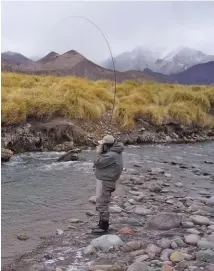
{"x":205,"y":256}
{"x":142,"y":211}
{"x":66,"y":146}
{"x":192,"y":239}
{"x":22,"y":237}
{"x":106,"y":242}
{"x":138,"y":266}
{"x":164,"y":243}
{"x":200,"y":220}
{"x":92,"y":199}
{"x":69,"y":156}
{"x":164,"y":221}
{"x":165,"y":254}
{"x":6,"y":154}
{"x":177,"y":256}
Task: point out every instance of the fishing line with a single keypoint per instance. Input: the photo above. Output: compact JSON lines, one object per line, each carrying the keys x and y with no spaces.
{"x":112,"y":59}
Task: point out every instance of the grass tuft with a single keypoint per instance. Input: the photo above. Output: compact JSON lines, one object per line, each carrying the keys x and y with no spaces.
{"x":42,"y":97}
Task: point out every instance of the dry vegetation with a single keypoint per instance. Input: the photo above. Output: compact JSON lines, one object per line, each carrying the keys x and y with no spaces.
{"x":25,"y":96}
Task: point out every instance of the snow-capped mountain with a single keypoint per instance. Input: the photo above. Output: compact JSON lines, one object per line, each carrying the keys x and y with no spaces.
{"x":180,"y":60}
{"x":138,"y":59}
{"x":162,"y":62}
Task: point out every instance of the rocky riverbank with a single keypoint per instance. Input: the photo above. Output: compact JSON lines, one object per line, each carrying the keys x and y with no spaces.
{"x":64,"y":135}
{"x":159,"y":222}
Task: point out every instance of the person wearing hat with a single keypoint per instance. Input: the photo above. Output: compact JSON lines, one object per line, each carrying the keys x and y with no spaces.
{"x":108,"y":168}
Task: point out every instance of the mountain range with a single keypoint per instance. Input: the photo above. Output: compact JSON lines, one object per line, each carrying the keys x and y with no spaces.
{"x":184,"y":66}
{"x":69,"y":63}
{"x":167,"y":63}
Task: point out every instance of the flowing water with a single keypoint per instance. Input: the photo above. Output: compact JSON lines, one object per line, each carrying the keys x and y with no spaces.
{"x":40,"y":194}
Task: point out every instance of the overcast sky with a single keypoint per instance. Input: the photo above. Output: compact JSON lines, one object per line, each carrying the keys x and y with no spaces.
{"x":35,"y":28}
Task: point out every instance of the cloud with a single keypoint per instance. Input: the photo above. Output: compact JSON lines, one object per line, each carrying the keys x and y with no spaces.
{"x":35,"y":28}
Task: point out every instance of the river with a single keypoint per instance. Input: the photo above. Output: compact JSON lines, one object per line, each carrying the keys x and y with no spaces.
{"x":40,"y":194}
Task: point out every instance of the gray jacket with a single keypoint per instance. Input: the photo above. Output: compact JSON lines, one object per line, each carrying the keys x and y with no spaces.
{"x":109,"y":166}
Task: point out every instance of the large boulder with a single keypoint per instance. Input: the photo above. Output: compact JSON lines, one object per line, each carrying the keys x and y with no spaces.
{"x":6,"y":154}
{"x":71,"y":155}
{"x":164,"y":221}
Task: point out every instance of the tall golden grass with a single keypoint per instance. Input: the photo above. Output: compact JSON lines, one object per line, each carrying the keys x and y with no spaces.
{"x":38,"y":97}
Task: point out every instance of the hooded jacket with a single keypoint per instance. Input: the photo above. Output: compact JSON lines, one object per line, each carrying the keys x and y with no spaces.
{"x":109,"y":166}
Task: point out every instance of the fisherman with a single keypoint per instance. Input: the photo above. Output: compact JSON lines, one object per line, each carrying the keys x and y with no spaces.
{"x":108,"y":168}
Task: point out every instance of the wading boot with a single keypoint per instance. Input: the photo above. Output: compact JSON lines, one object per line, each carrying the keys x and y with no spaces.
{"x":101,"y":228}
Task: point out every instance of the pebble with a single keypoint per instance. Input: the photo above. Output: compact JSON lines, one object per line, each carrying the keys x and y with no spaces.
{"x":177,"y":256}
{"x":167,"y":175}
{"x":155,"y":171}
{"x":133,"y":245}
{"x":142,"y":258}
{"x":59,"y":232}
{"x":164,"y":221}
{"x":187,"y":224}
{"x":210,"y":201}
{"x":165,"y":254}
{"x":74,"y":220}
{"x":138,"y":266}
{"x":205,"y":256}
{"x":126,"y":231}
{"x":155,"y":187}
{"x":106,"y":242}
{"x":170,"y":201}
{"x":22,"y":237}
{"x":193,"y":231}
{"x":142,"y":211}
{"x":167,"y":267}
{"x":164,"y":243}
{"x":137,"y":253}
{"x":200,"y":220}
{"x":89,"y":250}
{"x":203,"y":243}
{"x":192,"y":239}
{"x":179,"y":242}
{"x":115,"y":209}
{"x":153,"y":250}
{"x":211,"y":227}
{"x":182,"y":265}
{"x":105,"y":267}
{"x":178,"y":184}
{"x":92,"y":199}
